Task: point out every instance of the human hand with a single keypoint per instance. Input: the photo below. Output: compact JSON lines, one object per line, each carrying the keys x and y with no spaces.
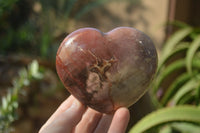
{"x":74,"y":117}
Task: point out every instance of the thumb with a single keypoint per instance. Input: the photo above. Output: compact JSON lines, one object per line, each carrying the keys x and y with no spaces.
{"x":67,"y":120}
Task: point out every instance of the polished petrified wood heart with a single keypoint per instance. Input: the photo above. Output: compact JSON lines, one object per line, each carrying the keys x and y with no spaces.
{"x":106,"y":70}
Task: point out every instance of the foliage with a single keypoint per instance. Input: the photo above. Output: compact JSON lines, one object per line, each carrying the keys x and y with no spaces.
{"x":8,"y":108}
{"x":180,"y":55}
{"x":6,"y":6}
{"x":37,"y":27}
{"x":172,"y":114}
{"x":176,"y":88}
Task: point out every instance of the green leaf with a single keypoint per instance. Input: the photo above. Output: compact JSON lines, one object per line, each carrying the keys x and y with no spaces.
{"x":198,"y":95}
{"x":196,"y":63}
{"x":15,"y":104}
{"x":34,"y":66}
{"x":168,"y":70}
{"x":186,"y":88}
{"x":174,"y":40}
{"x":187,"y":99}
{"x":183,"y":46}
{"x":4,"y":103}
{"x":170,"y":114}
{"x":34,"y":70}
{"x":172,"y":68}
{"x":173,"y":88}
{"x":179,"y":24}
{"x":191,"y":52}
{"x":184,"y":127}
{"x":8,"y":108}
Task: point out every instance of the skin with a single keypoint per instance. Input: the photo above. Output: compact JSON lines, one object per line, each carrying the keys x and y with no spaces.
{"x":73,"y":117}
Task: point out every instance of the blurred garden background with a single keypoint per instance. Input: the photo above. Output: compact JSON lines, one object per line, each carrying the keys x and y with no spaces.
{"x":32,"y":30}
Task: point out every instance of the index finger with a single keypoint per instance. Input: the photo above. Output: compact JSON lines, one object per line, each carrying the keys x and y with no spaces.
{"x":64,"y":106}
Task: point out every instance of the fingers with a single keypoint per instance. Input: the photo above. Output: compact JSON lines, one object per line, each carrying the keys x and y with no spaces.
{"x":89,"y":122}
{"x":95,"y":122}
{"x":120,"y":121}
{"x":72,"y":116}
{"x":64,"y":106}
{"x":62,"y":120}
{"x":104,"y":123}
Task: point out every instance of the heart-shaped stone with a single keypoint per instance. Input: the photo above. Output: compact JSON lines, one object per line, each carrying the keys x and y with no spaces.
{"x":106,"y":70}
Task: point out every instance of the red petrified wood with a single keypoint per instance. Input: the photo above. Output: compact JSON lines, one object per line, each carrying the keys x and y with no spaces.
{"x":106,"y":70}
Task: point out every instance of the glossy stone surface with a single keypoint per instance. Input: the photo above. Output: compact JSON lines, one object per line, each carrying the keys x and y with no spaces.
{"x":106,"y":70}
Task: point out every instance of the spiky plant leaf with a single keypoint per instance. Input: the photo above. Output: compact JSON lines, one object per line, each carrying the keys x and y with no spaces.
{"x":183,"y":46}
{"x":174,"y":40}
{"x":191,"y":52}
{"x":185,"y":89}
{"x":165,"y":115}
{"x":168,"y":70}
{"x":173,"y":88}
{"x":184,"y":127}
